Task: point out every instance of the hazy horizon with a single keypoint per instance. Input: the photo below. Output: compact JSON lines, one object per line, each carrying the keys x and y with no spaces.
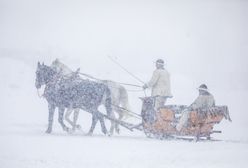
{"x":205,"y":41}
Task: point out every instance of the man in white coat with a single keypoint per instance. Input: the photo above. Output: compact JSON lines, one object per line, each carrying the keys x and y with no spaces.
{"x":160,"y":84}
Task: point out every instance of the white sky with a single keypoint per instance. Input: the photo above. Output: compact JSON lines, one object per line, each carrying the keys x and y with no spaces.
{"x":204,"y":41}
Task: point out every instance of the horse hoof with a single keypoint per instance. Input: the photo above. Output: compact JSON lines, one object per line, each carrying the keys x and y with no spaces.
{"x":105,"y":132}
{"x":48,"y":131}
{"x":89,"y":134}
{"x":109,"y":133}
{"x":66,"y":129}
{"x":78,"y":127}
{"x":71,"y":131}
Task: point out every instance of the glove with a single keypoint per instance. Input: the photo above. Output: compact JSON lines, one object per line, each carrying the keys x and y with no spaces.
{"x":145,"y":86}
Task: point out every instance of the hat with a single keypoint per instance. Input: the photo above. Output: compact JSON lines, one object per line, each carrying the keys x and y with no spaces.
{"x":160,"y":61}
{"x":203,"y":87}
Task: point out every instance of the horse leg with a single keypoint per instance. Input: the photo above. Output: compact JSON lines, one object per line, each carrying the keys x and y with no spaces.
{"x":93,"y":124}
{"x":125,"y":105}
{"x":95,"y":117}
{"x":67,"y":116}
{"x":75,"y":117}
{"x":103,"y":127}
{"x":61,"y":115}
{"x":110,"y":113}
{"x":114,"y":125}
{"x":122,"y":112}
{"x":117,"y":128}
{"x":51,"y":109}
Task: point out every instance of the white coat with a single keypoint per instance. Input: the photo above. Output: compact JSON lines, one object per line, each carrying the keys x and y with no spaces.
{"x":160,"y":83}
{"x":203,"y":101}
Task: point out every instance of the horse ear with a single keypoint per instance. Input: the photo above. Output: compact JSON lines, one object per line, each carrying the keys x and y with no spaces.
{"x":38,"y":63}
{"x":142,"y":98}
{"x":43,"y":63}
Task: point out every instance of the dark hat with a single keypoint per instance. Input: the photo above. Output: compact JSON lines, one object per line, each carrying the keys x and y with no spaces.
{"x":160,"y":61}
{"x":203,"y":87}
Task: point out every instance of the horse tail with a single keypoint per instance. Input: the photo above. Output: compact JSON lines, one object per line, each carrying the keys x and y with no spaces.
{"x":124,"y":101}
{"x":108,"y":102}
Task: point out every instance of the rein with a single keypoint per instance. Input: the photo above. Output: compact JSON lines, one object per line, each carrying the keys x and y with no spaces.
{"x":130,"y":90}
{"x":91,"y":77}
{"x":133,"y":114}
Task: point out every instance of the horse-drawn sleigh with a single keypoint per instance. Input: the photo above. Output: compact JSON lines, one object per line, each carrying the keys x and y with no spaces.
{"x":89,"y":95}
{"x":162,"y":123}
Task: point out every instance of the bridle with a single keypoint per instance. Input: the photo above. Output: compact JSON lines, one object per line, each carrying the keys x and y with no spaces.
{"x":47,"y":82}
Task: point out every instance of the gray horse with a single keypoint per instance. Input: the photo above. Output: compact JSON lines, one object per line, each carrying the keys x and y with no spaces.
{"x":72,"y":93}
{"x":119,"y":98}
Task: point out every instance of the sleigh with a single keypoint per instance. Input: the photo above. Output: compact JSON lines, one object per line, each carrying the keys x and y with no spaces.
{"x":162,"y":123}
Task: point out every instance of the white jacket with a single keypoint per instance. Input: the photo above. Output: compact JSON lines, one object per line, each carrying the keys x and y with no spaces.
{"x":160,"y":83}
{"x":203,"y":101}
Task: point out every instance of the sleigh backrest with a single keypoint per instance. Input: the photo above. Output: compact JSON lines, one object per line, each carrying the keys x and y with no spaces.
{"x":212,"y":115}
{"x":166,"y":114}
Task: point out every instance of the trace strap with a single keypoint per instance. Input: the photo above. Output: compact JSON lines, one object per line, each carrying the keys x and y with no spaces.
{"x":133,"y":113}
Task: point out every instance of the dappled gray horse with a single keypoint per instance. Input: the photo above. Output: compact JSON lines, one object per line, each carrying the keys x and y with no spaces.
{"x":70,"y":93}
{"x":119,"y":98}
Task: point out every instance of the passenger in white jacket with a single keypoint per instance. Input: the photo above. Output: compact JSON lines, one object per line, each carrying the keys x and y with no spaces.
{"x":160,"y":84}
{"x":204,"y":100}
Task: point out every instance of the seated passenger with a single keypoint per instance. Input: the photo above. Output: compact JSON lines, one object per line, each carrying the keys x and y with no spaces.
{"x":204,"y":100}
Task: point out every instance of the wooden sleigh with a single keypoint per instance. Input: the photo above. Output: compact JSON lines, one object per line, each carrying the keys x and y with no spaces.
{"x":162,"y":123}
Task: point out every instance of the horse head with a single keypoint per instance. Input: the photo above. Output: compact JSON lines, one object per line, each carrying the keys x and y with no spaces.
{"x":43,"y":75}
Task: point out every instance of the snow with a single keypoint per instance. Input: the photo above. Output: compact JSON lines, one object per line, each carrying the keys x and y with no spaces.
{"x":68,"y":151}
{"x":201,"y":42}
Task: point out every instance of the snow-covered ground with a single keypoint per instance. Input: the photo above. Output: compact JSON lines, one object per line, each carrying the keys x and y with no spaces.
{"x":201,"y":42}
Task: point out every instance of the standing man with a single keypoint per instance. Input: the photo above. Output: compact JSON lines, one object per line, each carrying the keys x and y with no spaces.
{"x":160,"y":84}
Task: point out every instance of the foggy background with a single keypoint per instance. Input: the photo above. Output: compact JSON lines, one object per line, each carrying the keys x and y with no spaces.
{"x":206,"y":41}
